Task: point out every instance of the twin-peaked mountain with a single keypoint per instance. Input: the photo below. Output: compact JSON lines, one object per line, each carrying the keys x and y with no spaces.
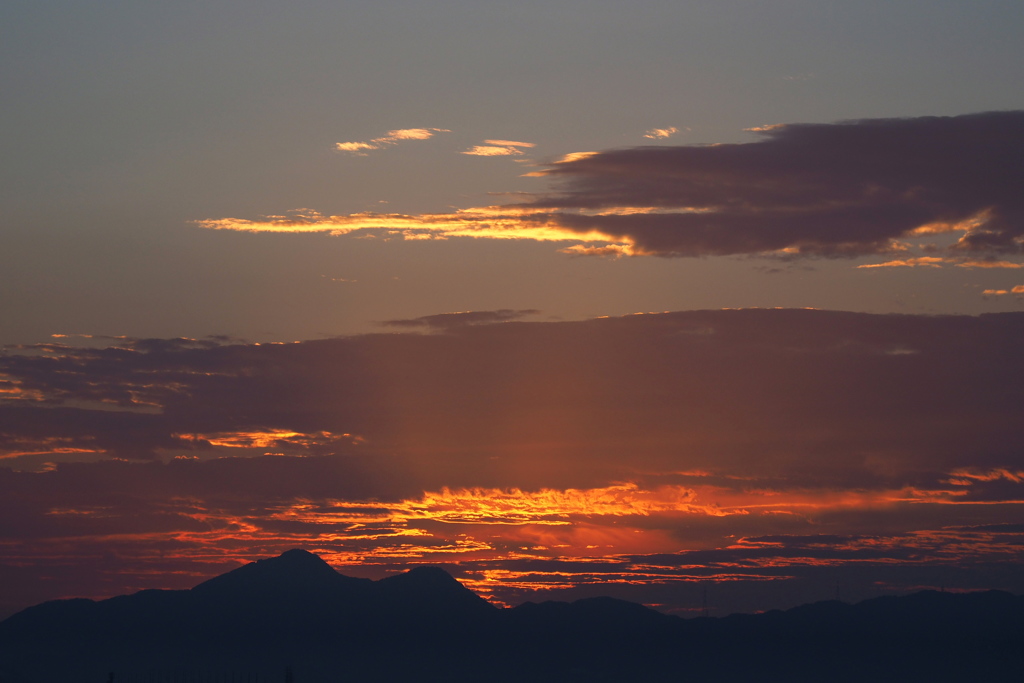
{"x":295,"y":612}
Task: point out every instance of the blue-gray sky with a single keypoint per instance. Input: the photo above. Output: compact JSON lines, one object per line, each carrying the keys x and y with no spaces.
{"x":124,"y":122}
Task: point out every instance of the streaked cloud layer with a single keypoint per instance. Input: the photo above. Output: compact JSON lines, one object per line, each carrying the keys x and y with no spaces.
{"x":786,"y":449}
{"x":859,"y":188}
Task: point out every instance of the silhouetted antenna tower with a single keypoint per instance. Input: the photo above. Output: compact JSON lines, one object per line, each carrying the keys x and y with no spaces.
{"x":704,"y":604}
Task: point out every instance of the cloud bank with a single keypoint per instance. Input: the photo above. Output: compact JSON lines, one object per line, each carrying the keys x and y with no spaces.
{"x":827,"y":189}
{"x":767,"y":453}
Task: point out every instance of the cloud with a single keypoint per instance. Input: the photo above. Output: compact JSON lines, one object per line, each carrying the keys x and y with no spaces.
{"x":392,"y":137}
{"x":973,"y":263}
{"x":818,"y":189}
{"x":492,"y":151}
{"x":510,"y":143}
{"x":847,"y":189}
{"x":498,"y":148}
{"x":450,"y":320}
{"x":940,"y":261}
{"x":917,"y":262}
{"x":716,"y":384}
{"x":1018,"y":289}
{"x":661,"y":133}
{"x":497,"y":222}
{"x":775,"y":451}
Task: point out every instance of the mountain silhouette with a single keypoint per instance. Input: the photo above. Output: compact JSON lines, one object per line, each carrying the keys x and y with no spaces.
{"x":296,"y":613}
{"x":294,"y":573}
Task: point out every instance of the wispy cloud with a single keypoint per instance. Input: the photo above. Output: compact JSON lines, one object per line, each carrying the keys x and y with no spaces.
{"x":1019,"y":289}
{"x":940,"y":261}
{"x":498,"y":148}
{"x":917,"y":262}
{"x":496,"y":222}
{"x":975,"y":263}
{"x":459,"y":319}
{"x":392,"y":137}
{"x":661,"y":133}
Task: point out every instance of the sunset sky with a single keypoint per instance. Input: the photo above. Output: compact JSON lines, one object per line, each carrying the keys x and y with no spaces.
{"x":572,"y":298}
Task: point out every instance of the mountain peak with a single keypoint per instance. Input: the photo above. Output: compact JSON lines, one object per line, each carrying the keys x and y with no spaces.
{"x":434,"y":590}
{"x":425,"y":576}
{"x":295,"y":569}
{"x":297,"y":556}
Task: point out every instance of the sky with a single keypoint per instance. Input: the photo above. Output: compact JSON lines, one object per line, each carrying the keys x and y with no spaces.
{"x":571,"y":298}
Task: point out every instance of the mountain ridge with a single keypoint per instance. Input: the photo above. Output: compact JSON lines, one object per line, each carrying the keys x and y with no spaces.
{"x":295,"y":608}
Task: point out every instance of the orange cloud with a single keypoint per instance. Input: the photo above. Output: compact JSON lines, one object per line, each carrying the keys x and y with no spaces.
{"x":550,"y":506}
{"x":920,"y":261}
{"x":495,"y":222}
{"x":661,"y":133}
{"x":1018,"y":289}
{"x":510,"y":143}
{"x":493,"y":151}
{"x":12,"y":389}
{"x":575,"y":156}
{"x":266,"y":438}
{"x":498,"y":148}
{"x":391,"y":138}
{"x":988,"y":264}
{"x":966,"y":477}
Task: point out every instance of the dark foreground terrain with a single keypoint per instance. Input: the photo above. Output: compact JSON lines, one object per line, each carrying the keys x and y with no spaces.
{"x":294,"y":617}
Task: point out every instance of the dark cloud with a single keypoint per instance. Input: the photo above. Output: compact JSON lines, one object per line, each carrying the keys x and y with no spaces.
{"x":822,"y":397}
{"x":741,"y":446}
{"x":844,"y":189}
{"x":448,"y":320}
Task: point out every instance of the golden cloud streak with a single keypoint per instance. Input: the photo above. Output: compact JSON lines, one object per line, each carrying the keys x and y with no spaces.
{"x":509,"y":143}
{"x":522,"y":222}
{"x":920,"y":261}
{"x":265,"y":439}
{"x":390,"y":138}
{"x":967,"y":225}
{"x":661,"y":133}
{"x":574,"y":156}
{"x":62,"y":450}
{"x":509,"y":506}
{"x":550,"y":506}
{"x":492,"y":151}
{"x":970,"y":263}
{"x":1019,"y":289}
{"x":494,"y":222}
{"x":498,"y":148}
{"x":965,"y":477}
